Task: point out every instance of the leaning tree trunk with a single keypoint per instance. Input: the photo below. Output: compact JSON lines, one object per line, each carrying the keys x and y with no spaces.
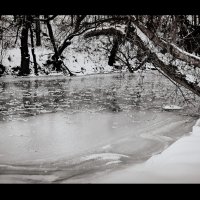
{"x":55,"y":57}
{"x":76,"y":23}
{"x":170,"y":70}
{"x":174,"y":50}
{"x":56,"y":61}
{"x":25,"y":57}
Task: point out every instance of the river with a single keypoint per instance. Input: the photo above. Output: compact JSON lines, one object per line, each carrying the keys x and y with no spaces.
{"x":58,"y":129}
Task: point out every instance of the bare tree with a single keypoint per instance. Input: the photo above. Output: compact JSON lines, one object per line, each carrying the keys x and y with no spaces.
{"x":38,"y":30}
{"x":25,"y":57}
{"x":32,"y":46}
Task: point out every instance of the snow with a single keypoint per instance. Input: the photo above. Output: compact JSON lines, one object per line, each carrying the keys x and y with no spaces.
{"x":106,"y":146}
{"x":113,"y":162}
{"x":172,"y":107}
{"x":190,"y":78}
{"x":180,"y":163}
{"x":81,"y":63}
{"x":12,"y":58}
{"x":103,"y":156}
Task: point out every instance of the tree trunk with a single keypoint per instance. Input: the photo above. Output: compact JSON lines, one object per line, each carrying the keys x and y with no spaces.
{"x":55,"y":57}
{"x":170,"y":70}
{"x":118,"y":38}
{"x":37,"y":31}
{"x":1,"y":33}
{"x":130,"y":69}
{"x":195,"y":20}
{"x":113,"y":52}
{"x":52,"y":38}
{"x":2,"y":69}
{"x":174,"y":51}
{"x":65,"y":44}
{"x":25,"y":57}
{"x":56,"y":62}
{"x":33,"y":49}
{"x":175,"y":75}
{"x":78,"y":19}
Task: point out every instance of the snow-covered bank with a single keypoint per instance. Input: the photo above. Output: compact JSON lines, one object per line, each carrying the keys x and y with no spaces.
{"x":80,"y":62}
{"x":180,"y":163}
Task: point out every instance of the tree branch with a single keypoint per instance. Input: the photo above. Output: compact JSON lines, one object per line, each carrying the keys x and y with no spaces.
{"x":109,"y":31}
{"x":174,"y":50}
{"x":45,"y":20}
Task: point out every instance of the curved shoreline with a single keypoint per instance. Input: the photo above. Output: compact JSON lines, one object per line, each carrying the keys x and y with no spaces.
{"x":87,"y":167}
{"x":179,"y":163}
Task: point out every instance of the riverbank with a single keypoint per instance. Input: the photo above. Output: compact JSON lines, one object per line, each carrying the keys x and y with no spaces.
{"x":179,"y":163}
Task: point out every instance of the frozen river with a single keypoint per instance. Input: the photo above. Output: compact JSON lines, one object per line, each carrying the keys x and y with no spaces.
{"x":57,"y":129}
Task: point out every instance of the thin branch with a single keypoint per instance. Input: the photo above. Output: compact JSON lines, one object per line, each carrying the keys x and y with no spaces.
{"x":186,"y":100}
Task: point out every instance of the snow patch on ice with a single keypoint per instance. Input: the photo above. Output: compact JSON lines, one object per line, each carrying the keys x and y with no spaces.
{"x":113,"y":162}
{"x":103,"y":156}
{"x":106,"y":146}
{"x":172,"y":107}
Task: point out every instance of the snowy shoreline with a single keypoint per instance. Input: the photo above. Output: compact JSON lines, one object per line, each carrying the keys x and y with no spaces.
{"x":179,"y":163}
{"x":59,"y":76}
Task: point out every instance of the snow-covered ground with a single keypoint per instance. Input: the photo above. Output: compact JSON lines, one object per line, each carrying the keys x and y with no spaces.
{"x":80,"y":62}
{"x":180,"y":163}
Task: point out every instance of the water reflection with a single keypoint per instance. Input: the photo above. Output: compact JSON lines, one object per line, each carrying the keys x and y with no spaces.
{"x":110,"y":93}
